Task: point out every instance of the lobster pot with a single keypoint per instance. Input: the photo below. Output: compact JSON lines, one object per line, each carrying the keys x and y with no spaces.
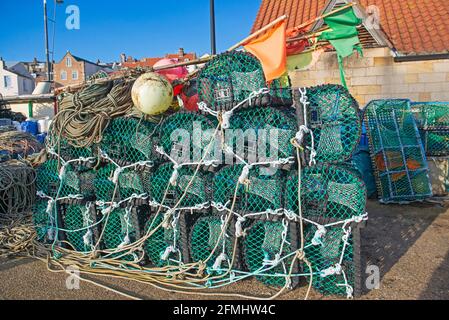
{"x":231,"y":77}
{"x":130,"y":182}
{"x":399,"y":161}
{"x":195,"y":189}
{"x":207,"y":244}
{"x":185,"y":136}
{"x":439,"y":174}
{"x":333,"y":116}
{"x":80,"y":225}
{"x":43,"y":223}
{"x":129,"y":140}
{"x":167,"y":243}
{"x":74,"y":182}
{"x":327,"y":191}
{"x":326,"y":253}
{"x":263,"y":191}
{"x":122,"y":227}
{"x":432,"y":119}
{"x":263,"y":242}
{"x":261,"y":134}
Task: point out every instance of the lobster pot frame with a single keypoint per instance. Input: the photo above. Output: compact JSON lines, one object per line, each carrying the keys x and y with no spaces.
{"x":266,"y":132}
{"x":327,"y":191}
{"x":399,"y":161}
{"x":79,"y":220}
{"x":231,"y":77}
{"x":432,"y":119}
{"x":332,"y":115}
{"x":263,"y":242}
{"x":130,"y":140}
{"x":264,"y":190}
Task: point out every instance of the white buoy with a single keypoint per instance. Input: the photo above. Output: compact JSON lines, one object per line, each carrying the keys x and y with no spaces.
{"x":152,"y":93}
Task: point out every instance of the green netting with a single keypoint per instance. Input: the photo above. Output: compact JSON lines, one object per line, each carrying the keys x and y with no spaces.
{"x":264,"y":190}
{"x":397,"y":153}
{"x":161,"y":239}
{"x":267,"y":133}
{"x":122,"y":228}
{"x":129,"y":140}
{"x":185,"y":136}
{"x":263,"y":243}
{"x":77,"y":222}
{"x":326,"y":255}
{"x":41,"y":220}
{"x":68,"y":152}
{"x":74,"y":182}
{"x":333,"y":117}
{"x":327,"y":191}
{"x":432,"y":119}
{"x":231,"y":77}
{"x":199,"y":192}
{"x":204,"y":237}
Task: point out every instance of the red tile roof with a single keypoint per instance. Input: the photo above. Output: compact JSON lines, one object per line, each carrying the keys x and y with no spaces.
{"x":149,"y":62}
{"x":413,"y":26}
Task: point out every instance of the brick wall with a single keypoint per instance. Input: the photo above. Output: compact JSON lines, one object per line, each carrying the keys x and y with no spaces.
{"x":377,"y":76}
{"x":61,"y":66}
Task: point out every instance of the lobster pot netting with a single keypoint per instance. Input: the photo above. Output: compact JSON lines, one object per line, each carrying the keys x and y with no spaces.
{"x":73,"y":183}
{"x":199,"y":191}
{"x":162,"y":238}
{"x":268,"y":252}
{"x":185,"y":136}
{"x":398,"y":156}
{"x":231,"y":77}
{"x":121,"y":227}
{"x":262,"y":134}
{"x":67,"y":152}
{"x":42,"y":221}
{"x":79,"y":225}
{"x":263,"y":190}
{"x":332,"y":251}
{"x":332,"y":115}
{"x":129,"y":140}
{"x":432,"y":119}
{"x":327,"y":191}
{"x":208,"y":244}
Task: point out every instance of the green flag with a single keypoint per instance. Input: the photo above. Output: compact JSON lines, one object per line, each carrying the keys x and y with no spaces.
{"x":343,"y":36}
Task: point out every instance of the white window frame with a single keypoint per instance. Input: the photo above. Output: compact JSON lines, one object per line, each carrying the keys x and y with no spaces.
{"x":74,"y":74}
{"x":68,"y":62}
{"x":63,"y":75}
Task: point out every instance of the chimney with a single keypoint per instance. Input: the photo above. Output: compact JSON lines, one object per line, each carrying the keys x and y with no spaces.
{"x":122,"y":58}
{"x":181,"y":52}
{"x":2,"y":63}
{"x":130,"y":59}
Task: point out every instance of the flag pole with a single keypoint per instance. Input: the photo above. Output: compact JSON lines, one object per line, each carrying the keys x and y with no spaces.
{"x":307,"y":23}
{"x":259,"y":32}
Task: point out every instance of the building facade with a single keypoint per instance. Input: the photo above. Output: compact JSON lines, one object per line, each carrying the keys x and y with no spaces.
{"x":405,"y":48}
{"x":181,"y":56}
{"x":15,"y":79}
{"x":72,"y":70}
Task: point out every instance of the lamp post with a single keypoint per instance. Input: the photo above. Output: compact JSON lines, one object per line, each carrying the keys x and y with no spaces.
{"x":47,"y":51}
{"x":212,"y":28}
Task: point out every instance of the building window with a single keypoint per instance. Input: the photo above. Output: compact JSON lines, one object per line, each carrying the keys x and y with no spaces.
{"x":25,"y":87}
{"x":68,"y":62}
{"x":74,"y":75}
{"x":63,"y":75}
{"x":7,"y":82}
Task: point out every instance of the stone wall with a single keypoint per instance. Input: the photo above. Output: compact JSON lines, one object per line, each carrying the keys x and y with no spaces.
{"x":377,"y":76}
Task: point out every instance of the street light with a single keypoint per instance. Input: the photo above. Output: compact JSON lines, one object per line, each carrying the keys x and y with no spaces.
{"x":47,"y":51}
{"x":212,"y":27}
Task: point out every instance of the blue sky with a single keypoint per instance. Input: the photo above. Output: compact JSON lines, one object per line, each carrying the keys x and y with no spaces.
{"x":136,"y":27}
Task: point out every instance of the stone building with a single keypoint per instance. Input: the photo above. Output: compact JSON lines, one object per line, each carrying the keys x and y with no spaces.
{"x":405,"y":47}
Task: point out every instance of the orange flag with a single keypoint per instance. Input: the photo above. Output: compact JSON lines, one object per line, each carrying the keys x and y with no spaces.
{"x":270,"y":49}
